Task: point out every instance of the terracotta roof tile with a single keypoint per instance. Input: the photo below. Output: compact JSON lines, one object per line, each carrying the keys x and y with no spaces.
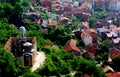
{"x":92,"y":48}
{"x":84,"y":35}
{"x":52,"y":23}
{"x":71,"y":45}
{"x":114,"y":52}
{"x":112,"y":26}
{"x":114,"y":74}
{"x":86,"y":24}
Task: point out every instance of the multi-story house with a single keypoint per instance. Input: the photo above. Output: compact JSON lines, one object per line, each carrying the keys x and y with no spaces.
{"x":114,"y":5}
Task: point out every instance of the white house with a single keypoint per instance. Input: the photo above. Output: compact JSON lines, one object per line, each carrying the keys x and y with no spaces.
{"x":114,"y":5}
{"x":87,"y":39}
{"x":76,"y":4}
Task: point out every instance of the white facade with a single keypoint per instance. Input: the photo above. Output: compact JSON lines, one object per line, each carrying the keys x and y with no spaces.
{"x":87,"y":40}
{"x":76,"y":4}
{"x":114,"y":6}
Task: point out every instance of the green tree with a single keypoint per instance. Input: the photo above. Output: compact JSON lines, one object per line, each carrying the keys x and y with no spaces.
{"x":91,"y":21}
{"x":85,"y":66}
{"x":58,"y":36}
{"x":78,"y":74}
{"x":31,"y":75}
{"x":9,"y":66}
{"x":116,"y":63}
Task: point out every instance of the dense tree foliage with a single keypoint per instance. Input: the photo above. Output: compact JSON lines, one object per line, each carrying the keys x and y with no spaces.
{"x":9,"y":66}
{"x":59,"y":62}
{"x":59,"y":36}
{"x":6,"y":31}
{"x":116,"y":62}
{"x":12,"y":10}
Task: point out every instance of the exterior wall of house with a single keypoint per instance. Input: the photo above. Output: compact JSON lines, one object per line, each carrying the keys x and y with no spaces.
{"x":76,"y":3}
{"x":118,"y":5}
{"x":87,"y":40}
{"x":8,"y":45}
{"x":114,"y":6}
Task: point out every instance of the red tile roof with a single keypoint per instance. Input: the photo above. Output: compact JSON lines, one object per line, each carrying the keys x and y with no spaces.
{"x":86,"y":24}
{"x":92,"y":48}
{"x":71,"y":45}
{"x":39,"y":21}
{"x":85,"y":75}
{"x":90,"y":32}
{"x":63,"y":18}
{"x":114,"y":52}
{"x":84,"y":35}
{"x":112,"y":26}
{"x":52,"y":23}
{"x":94,"y":35}
{"x":66,"y":4}
{"x":46,"y":4}
{"x":114,"y":74}
{"x":118,"y":29}
{"x":83,"y":9}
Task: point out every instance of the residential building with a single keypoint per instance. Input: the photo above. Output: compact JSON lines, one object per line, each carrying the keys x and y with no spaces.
{"x":52,"y":23}
{"x":45,"y":4}
{"x":84,"y":25}
{"x":63,"y":20}
{"x":114,"y":52}
{"x":72,"y":48}
{"x":114,"y":5}
{"x":87,"y":39}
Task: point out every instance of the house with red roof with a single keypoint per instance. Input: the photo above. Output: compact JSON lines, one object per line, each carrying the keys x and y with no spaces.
{"x":101,"y":4}
{"x":84,"y":9}
{"x":68,"y":14}
{"x":102,"y":23}
{"x":82,"y":16}
{"x":71,"y":47}
{"x":114,"y":5}
{"x":45,"y":4}
{"x":84,"y":25}
{"x":114,"y":52}
{"x":89,"y":36}
{"x":52,"y":23}
{"x":85,"y":75}
{"x":63,"y":20}
{"x":87,"y":39}
{"x":92,"y":50}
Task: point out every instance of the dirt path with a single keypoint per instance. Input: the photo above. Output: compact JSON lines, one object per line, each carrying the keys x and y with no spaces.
{"x":39,"y":60}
